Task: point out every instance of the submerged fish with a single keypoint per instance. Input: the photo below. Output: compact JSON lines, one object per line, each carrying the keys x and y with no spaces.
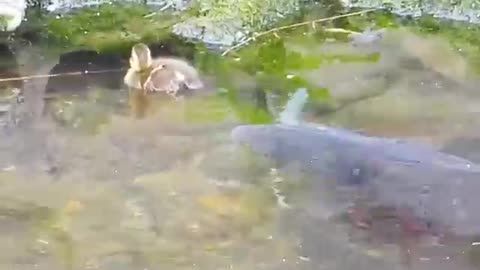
{"x":438,"y":190}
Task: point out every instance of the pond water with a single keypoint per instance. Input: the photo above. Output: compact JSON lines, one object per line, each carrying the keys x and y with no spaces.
{"x":84,"y":184}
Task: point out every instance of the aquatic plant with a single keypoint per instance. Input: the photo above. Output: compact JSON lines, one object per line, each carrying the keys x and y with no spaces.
{"x":119,"y":22}
{"x":254,"y":14}
{"x":110,"y":26}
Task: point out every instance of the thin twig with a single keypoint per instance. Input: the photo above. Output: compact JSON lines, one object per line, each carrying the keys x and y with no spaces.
{"x":293,"y":26}
{"x":160,"y":10}
{"x":340,"y":30}
{"x":41,"y":76}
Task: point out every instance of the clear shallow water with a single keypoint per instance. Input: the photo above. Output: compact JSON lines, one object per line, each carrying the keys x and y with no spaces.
{"x":88,"y":186}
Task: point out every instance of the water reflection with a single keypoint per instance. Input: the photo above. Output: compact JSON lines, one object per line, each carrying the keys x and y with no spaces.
{"x":87,"y":62}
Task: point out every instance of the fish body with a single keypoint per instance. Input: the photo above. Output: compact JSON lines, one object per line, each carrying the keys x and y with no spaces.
{"x":438,"y":188}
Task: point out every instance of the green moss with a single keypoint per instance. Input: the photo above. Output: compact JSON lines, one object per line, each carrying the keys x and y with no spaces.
{"x":254,"y":15}
{"x":107,"y":26}
{"x":271,"y":61}
{"x":246,"y":111}
{"x":110,"y":26}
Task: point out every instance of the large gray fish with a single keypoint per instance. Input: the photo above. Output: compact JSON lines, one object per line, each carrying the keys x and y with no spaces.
{"x":441,"y":190}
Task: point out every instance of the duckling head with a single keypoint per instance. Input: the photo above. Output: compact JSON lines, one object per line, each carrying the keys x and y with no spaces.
{"x":140,"y":66}
{"x":141,"y":58}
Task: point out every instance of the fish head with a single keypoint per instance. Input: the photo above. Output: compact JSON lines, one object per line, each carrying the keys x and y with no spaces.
{"x":261,"y":139}
{"x":280,"y":143}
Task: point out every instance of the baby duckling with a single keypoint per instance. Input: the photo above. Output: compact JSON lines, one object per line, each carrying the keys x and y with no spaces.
{"x":160,"y":74}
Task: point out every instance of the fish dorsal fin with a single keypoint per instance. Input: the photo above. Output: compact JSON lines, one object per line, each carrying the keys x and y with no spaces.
{"x":293,"y":109}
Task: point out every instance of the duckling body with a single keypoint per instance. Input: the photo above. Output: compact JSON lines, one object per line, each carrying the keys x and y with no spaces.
{"x":171,"y":74}
{"x":161,"y":74}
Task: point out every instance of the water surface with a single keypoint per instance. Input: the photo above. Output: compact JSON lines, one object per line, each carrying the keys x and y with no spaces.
{"x":86,"y":185}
